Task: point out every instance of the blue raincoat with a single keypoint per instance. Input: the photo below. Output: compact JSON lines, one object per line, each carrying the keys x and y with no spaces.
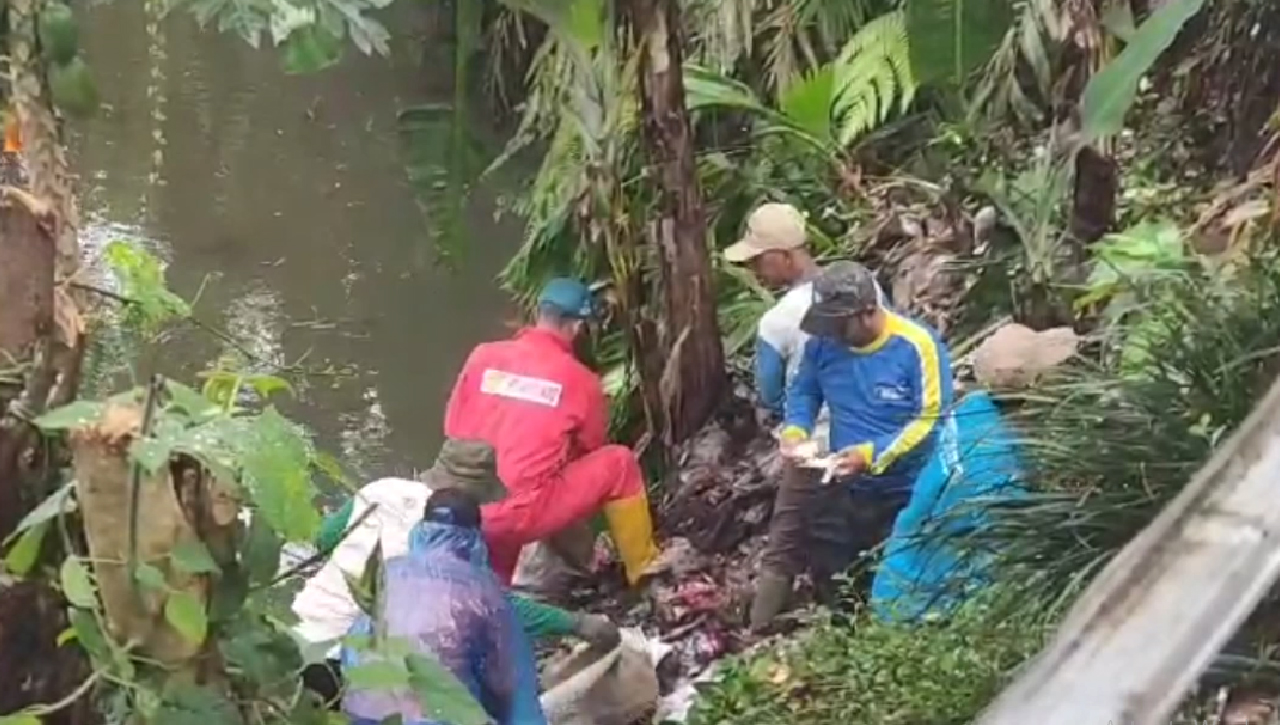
{"x":443,"y":599}
{"x":927,"y":567}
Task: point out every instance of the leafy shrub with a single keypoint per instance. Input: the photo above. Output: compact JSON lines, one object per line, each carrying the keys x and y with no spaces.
{"x":865,"y":671}
{"x":1109,"y":446}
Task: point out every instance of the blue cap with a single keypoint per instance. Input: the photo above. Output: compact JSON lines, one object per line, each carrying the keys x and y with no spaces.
{"x":569,"y":297}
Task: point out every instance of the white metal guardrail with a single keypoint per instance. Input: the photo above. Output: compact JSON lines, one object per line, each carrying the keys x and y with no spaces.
{"x":1151,"y":623}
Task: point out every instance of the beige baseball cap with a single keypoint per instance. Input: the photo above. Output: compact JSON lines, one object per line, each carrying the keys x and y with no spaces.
{"x":771,"y":227}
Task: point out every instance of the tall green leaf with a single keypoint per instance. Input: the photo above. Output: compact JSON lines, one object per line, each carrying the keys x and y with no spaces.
{"x":276,"y":470}
{"x":77,"y":587}
{"x":22,"y":556}
{"x":807,"y":103}
{"x":706,"y":88}
{"x":952,"y":38}
{"x":186,"y":614}
{"x":1112,"y":90}
{"x":873,"y":77}
{"x":577,"y":21}
{"x":440,"y":694}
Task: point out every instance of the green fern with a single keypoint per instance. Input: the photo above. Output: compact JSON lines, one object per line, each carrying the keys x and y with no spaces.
{"x":834,"y":104}
{"x":873,"y":77}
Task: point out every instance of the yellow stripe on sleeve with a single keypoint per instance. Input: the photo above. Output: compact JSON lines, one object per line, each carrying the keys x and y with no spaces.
{"x":930,"y":399}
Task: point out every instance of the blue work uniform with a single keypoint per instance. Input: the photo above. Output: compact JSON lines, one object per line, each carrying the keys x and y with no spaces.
{"x":886,"y":398}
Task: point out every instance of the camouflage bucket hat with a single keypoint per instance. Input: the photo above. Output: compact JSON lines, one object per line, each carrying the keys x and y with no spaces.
{"x":470,"y":465}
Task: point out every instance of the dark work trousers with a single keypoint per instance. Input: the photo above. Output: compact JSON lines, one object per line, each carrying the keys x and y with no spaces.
{"x":822,"y":529}
{"x":325,"y":679}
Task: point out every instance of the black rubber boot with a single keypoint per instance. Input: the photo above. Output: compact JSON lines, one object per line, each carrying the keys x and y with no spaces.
{"x":773,"y":590}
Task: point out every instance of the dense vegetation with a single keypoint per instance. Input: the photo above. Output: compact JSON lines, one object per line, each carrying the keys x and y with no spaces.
{"x":1100,"y":163}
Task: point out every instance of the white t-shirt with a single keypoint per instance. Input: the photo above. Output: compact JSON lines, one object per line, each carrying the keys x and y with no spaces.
{"x":325,"y":607}
{"x":780,"y":329}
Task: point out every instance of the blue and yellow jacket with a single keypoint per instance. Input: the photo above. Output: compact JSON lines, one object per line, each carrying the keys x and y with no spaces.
{"x":886,"y":398}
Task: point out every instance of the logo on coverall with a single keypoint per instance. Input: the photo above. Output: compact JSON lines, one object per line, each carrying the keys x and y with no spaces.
{"x":521,"y":387}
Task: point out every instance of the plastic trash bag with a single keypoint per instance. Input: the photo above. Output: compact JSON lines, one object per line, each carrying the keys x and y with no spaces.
{"x":442,"y":596}
{"x":619,"y":687}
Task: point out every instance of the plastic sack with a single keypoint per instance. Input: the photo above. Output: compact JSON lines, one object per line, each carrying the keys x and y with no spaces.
{"x":619,"y":687}
{"x":926,"y":568}
{"x":442,"y":597}
{"x":549,"y":570}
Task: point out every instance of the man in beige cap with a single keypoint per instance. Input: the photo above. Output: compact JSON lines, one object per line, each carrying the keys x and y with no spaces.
{"x":774,"y":248}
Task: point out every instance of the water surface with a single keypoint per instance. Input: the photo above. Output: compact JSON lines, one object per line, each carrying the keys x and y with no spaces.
{"x":284,"y":203}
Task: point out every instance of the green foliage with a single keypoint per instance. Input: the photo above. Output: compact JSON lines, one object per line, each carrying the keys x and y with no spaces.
{"x":392,"y":663}
{"x":952,"y":38}
{"x":24,"y":552}
{"x":782,"y":39}
{"x":1132,"y":257}
{"x":309,"y":49}
{"x":1108,"y":449}
{"x":77,"y":586}
{"x":273,"y":460}
{"x":141,"y":279}
{"x":320,"y":23}
{"x":72,"y":88}
{"x":1018,"y":81}
{"x":58,"y":32}
{"x":834,"y":104}
{"x":1111,"y":91}
{"x":868,"y":672}
{"x":270,"y":457}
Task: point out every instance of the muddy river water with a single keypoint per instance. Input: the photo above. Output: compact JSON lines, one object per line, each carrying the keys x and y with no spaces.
{"x":284,"y":202}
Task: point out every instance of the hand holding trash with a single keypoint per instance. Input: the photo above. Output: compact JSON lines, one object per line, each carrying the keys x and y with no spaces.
{"x":851,"y":461}
{"x":598,"y":631}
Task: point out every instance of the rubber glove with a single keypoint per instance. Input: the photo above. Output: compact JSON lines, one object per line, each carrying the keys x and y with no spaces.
{"x":598,"y":631}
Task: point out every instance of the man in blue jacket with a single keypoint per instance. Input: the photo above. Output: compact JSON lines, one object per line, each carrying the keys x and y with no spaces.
{"x":886,"y":381}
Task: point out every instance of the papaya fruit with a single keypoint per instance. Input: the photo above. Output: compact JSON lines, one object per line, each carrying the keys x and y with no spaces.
{"x":73,"y":89}
{"x":59,"y":34}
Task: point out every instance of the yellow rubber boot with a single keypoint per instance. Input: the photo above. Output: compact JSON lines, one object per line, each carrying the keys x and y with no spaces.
{"x":632,"y":529}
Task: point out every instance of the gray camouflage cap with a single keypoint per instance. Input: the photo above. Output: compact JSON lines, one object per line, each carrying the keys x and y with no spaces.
{"x":846,"y":286}
{"x":841,"y":290}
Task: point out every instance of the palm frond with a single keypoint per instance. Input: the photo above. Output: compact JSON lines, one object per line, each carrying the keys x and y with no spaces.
{"x":1032,"y":42}
{"x":873,"y":77}
{"x":832,"y":105}
{"x":802,"y":34}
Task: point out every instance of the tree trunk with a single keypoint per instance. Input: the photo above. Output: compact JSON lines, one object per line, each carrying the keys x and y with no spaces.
{"x":41,"y":344}
{"x":33,"y":668}
{"x":694,"y":379}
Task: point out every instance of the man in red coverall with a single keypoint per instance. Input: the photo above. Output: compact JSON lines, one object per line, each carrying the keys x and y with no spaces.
{"x":546,"y":416}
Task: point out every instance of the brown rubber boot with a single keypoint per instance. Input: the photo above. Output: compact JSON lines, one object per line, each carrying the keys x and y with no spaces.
{"x":772,"y":592}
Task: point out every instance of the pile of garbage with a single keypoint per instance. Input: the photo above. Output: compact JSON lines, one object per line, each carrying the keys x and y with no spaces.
{"x":693,"y":613}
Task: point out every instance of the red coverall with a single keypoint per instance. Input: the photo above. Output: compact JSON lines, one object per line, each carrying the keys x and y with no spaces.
{"x":546,"y":416}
